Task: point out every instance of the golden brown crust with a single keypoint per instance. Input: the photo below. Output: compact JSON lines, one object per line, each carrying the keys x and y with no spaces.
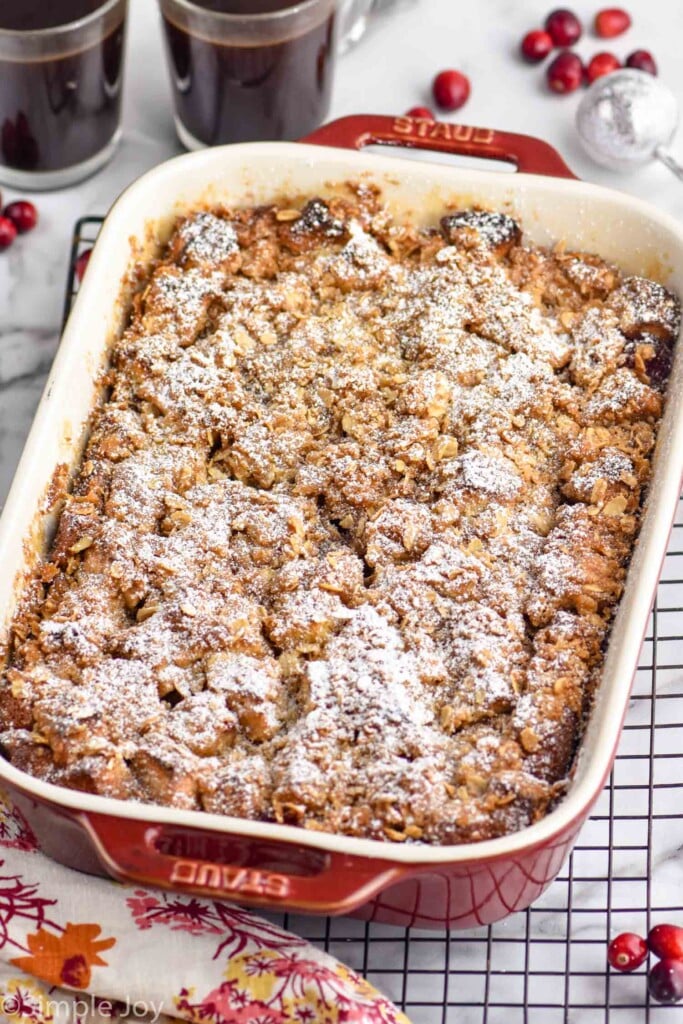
{"x":350,"y":528}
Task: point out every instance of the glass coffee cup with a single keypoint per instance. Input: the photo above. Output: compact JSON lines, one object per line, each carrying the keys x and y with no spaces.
{"x":244,"y":70}
{"x":61,"y":70}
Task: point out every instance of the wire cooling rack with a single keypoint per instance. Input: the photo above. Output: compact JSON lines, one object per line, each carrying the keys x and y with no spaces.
{"x":546,"y":965}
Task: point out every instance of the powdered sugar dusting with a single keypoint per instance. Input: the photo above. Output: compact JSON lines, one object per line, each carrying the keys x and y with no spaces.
{"x":208,"y":238}
{"x":350,"y":527}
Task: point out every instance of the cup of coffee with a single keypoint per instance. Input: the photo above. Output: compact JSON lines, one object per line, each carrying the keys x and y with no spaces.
{"x":244,"y":70}
{"x":61,"y":68}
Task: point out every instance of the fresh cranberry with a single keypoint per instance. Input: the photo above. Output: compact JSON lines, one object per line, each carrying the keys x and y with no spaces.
{"x":665,"y":981}
{"x":611,"y":22}
{"x":8,"y":233}
{"x":23,"y":215}
{"x":536,"y":46}
{"x":422,"y":113}
{"x":82,"y":264}
{"x":563,"y":27}
{"x":565,"y":74}
{"x":642,"y":60}
{"x":666,"y":941}
{"x":627,"y":952}
{"x":601,"y":64}
{"x":451,"y":89}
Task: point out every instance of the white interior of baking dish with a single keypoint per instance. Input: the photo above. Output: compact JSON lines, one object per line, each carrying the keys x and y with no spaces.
{"x":632,"y":234}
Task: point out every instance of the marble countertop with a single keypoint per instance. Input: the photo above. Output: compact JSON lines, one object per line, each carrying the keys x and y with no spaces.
{"x":389,"y":71}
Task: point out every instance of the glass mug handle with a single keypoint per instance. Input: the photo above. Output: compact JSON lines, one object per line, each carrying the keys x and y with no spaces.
{"x":354,"y":16}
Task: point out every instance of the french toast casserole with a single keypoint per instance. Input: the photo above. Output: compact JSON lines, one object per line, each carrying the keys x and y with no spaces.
{"x":350,"y":526}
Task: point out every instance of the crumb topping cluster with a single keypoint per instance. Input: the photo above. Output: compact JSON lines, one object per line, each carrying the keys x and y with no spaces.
{"x":350,"y":527}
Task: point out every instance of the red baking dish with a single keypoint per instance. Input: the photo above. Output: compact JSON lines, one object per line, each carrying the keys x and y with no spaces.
{"x":280,"y":866}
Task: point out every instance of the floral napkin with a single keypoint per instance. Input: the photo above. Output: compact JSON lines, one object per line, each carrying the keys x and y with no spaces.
{"x":74,"y":948}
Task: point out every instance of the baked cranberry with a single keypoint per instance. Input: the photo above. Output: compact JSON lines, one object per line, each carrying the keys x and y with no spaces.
{"x":8,"y":233}
{"x":451,"y":89}
{"x":23,"y":215}
{"x":642,"y":60}
{"x":422,"y":113}
{"x":82,"y":264}
{"x":627,"y":952}
{"x":665,"y":981}
{"x":565,"y":74}
{"x":563,"y":27}
{"x":666,"y":941}
{"x":611,"y":22}
{"x":658,"y":369}
{"x":536,"y":46}
{"x":601,"y":64}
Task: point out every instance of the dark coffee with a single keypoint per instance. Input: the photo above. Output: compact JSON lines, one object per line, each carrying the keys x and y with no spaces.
{"x":36,"y":15}
{"x":60,"y":109}
{"x":228,"y":91}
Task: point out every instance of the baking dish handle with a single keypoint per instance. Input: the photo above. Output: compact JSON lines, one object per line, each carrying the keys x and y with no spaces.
{"x":338,"y":883}
{"x":533,"y":156}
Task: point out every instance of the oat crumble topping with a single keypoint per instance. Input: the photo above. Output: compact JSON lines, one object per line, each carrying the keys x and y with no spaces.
{"x":350,"y":528}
